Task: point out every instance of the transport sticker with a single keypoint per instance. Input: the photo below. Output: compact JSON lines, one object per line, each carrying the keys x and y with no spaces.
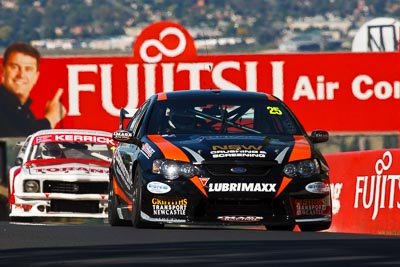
{"x":176,"y":207}
{"x":311,"y":207}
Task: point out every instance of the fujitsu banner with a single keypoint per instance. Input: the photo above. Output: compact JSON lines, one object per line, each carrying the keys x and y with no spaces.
{"x":335,"y":91}
{"x":365,"y":191}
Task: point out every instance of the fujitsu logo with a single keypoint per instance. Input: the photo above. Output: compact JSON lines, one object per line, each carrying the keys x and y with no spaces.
{"x":378,"y":191}
{"x":166,"y":61}
{"x":163,"y":50}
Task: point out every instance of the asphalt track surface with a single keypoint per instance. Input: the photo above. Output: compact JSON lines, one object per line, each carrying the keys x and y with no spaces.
{"x":103,"y":245}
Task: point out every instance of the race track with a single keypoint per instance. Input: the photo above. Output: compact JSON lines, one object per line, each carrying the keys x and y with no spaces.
{"x":103,"y":245}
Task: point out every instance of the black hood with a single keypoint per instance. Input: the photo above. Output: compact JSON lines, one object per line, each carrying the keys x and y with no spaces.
{"x":229,"y":147}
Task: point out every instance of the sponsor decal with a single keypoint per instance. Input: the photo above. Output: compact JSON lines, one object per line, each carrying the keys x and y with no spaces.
{"x":43,"y":139}
{"x":241,"y":187}
{"x":163,"y":207}
{"x":122,"y":135}
{"x":232,"y":151}
{"x":236,"y":147}
{"x":378,"y":191}
{"x":84,"y":138}
{"x":311,"y":206}
{"x":158,"y":188}
{"x":317,"y":188}
{"x":204,"y":180}
{"x":147,"y":150}
{"x":69,"y":170}
{"x":75,"y":138}
{"x":240,"y":218}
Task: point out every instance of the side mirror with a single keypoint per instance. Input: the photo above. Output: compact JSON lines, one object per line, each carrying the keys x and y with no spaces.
{"x":319,"y":136}
{"x":125,"y":136}
{"x":18,"y":161}
{"x":124,"y":115}
{"x":19,"y":145}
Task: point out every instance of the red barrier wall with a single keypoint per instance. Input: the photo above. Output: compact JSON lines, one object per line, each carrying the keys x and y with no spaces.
{"x":366,"y":191}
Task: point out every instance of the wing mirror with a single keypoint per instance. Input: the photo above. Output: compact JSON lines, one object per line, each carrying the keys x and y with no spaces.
{"x":18,"y":161}
{"x":319,"y":136}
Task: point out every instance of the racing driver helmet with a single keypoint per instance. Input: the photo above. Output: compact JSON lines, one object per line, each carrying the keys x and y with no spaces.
{"x":181,"y":120}
{"x":51,"y":151}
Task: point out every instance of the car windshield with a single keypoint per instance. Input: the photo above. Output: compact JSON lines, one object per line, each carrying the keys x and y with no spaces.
{"x":70,"y":150}
{"x":223,"y":117}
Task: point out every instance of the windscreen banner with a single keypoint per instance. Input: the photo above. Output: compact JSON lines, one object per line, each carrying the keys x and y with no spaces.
{"x":365,"y":189}
{"x":338,"y":92}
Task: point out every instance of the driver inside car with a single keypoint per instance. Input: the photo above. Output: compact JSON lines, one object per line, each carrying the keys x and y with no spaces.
{"x":51,"y":151}
{"x":181,"y":121}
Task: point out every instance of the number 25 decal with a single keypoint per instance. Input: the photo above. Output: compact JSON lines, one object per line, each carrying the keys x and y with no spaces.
{"x":274,"y":110}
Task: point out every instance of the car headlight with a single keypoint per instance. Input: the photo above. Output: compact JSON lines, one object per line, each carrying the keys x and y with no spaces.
{"x":172,"y":169}
{"x":303,"y":168}
{"x":31,"y":186}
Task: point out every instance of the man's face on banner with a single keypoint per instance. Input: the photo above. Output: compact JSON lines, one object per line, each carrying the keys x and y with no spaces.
{"x":20,"y":74}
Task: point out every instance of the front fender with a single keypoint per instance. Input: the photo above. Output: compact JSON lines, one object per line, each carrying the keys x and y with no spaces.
{"x":13,"y":174}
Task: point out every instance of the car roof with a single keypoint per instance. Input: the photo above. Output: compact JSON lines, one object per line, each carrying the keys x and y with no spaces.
{"x":176,"y":95}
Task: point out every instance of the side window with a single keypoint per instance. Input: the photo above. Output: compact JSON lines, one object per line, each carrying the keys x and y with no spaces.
{"x":137,"y":117}
{"x":22,"y":150}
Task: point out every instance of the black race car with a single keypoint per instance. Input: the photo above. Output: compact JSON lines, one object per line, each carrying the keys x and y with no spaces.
{"x":218,"y":157}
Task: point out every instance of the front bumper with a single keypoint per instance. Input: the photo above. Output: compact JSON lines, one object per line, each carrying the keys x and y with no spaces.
{"x":185,"y":204}
{"x":59,"y":205}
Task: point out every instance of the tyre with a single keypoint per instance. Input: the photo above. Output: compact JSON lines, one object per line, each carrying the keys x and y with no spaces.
{"x":137,"y":204}
{"x":314,"y":227}
{"x":280,"y":227}
{"x":113,"y":203}
{"x":21,"y":219}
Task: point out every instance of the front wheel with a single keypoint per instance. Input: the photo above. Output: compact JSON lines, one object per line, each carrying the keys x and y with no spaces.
{"x":314,"y":227}
{"x":280,"y":227}
{"x":21,"y":219}
{"x":113,"y":218}
{"x":137,"y":204}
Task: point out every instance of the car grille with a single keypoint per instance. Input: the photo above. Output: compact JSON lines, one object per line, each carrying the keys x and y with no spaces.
{"x":75,"y":187}
{"x":74,"y":206}
{"x":253,"y":168}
